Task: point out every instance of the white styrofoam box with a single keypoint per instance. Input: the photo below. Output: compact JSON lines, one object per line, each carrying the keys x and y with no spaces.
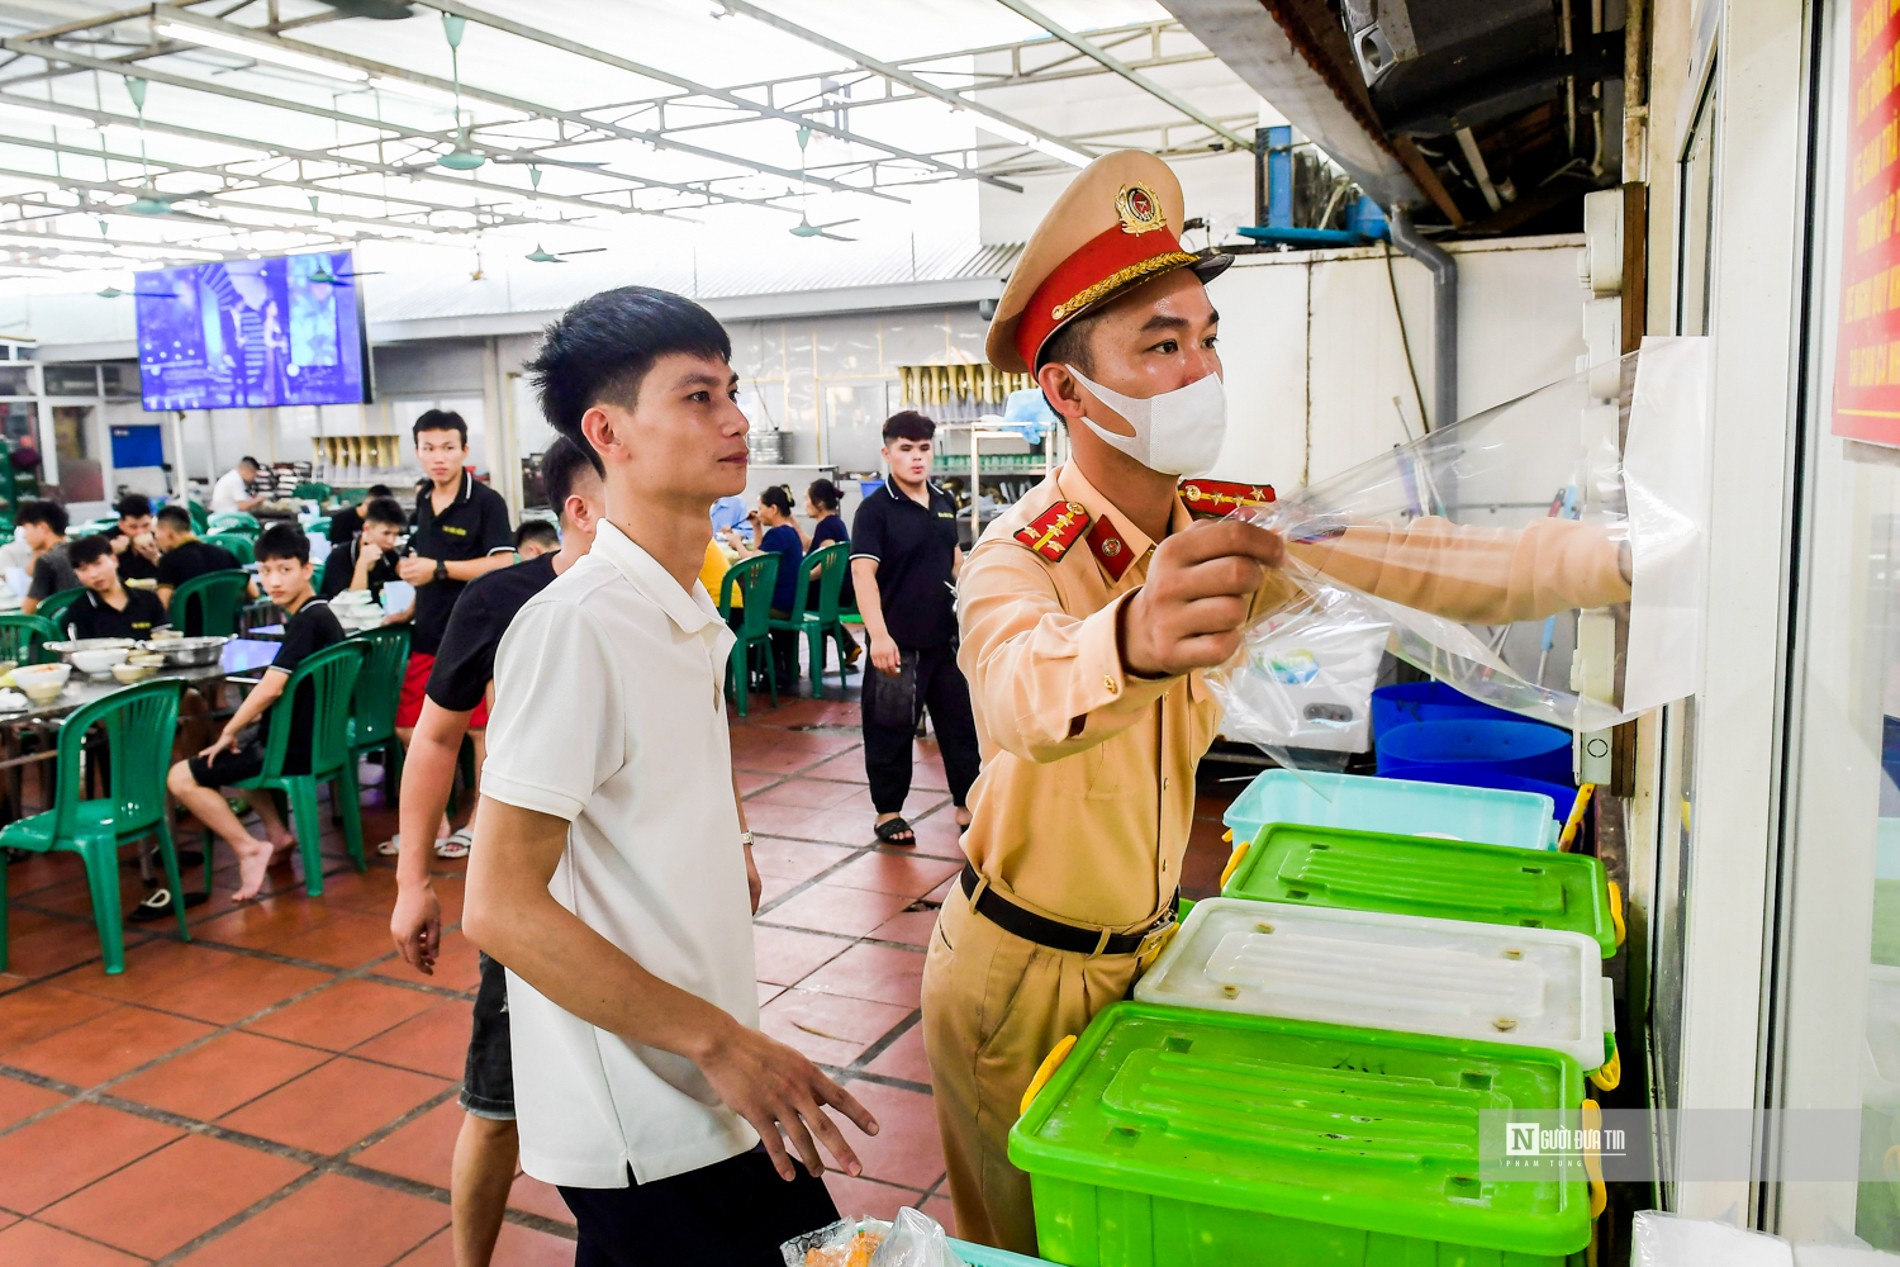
{"x":1668,"y":1240}
{"x":1529,"y":987}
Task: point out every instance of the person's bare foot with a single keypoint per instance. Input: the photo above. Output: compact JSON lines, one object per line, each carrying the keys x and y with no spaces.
{"x":253,"y":863}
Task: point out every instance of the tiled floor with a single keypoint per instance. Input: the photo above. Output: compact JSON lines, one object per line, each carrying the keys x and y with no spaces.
{"x":282,"y":1089}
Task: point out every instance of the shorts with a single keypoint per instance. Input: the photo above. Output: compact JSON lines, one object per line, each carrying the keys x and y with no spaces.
{"x":415,"y":688}
{"x":488,"y":1079}
{"x":232,"y":766}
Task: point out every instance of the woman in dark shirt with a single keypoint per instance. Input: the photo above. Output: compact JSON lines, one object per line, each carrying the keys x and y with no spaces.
{"x":821,"y":506}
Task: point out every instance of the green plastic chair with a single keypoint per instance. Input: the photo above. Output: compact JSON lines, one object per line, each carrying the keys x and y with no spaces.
{"x":241,"y":544}
{"x":23,"y":639}
{"x":54,"y":607}
{"x":200,"y":517}
{"x":833,"y":561}
{"x":753,"y":579}
{"x":331,"y":676}
{"x":138,"y":723}
{"x":311,"y":490}
{"x":233,"y":521}
{"x":207,"y":605}
{"x":378,"y":691}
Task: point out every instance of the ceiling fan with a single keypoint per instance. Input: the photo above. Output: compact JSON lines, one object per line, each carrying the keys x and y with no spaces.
{"x":324,"y":275}
{"x":113,"y":292}
{"x":805,"y":228}
{"x":149,"y":200}
{"x":540,"y":255}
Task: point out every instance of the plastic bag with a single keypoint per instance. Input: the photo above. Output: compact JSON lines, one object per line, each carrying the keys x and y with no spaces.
{"x":1308,"y":679}
{"x":1669,"y":1240}
{"x":1568,"y":517}
{"x":914,"y":1240}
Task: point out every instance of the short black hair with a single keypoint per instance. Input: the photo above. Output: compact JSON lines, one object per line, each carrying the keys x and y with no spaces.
{"x":283,"y":541}
{"x":778,"y":497}
{"x":537,"y":532}
{"x":177,"y":518}
{"x":908,"y":425}
{"x":41,"y":511}
{"x":603,"y":346}
{"x":563,"y":466}
{"x":385,"y":510}
{"x":87,"y":550}
{"x":440,"y":420}
{"x":824,"y":494}
{"x":255,"y":465}
{"x":380,"y":490}
{"x":133,"y":506}
{"x":1069,"y":345}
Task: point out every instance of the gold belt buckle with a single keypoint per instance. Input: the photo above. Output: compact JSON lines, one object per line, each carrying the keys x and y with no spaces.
{"x":1156,"y":940}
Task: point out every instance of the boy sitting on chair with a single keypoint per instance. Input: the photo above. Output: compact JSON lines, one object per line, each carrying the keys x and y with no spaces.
{"x":283,"y":567}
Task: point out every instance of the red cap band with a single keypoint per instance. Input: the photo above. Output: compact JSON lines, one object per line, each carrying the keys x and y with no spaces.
{"x":1107,"y":262}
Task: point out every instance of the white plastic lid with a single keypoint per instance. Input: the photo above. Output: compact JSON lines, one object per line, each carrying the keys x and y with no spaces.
{"x":1532,"y":987}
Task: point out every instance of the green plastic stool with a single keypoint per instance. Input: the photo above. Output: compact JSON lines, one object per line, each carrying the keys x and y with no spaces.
{"x":206,"y":606}
{"x":138,"y":722}
{"x":54,"y":607}
{"x":754,"y":579}
{"x":23,"y":639}
{"x":200,"y":517}
{"x":331,"y":676}
{"x":378,"y":691}
{"x":832,"y":562}
{"x":241,"y":544}
{"x":233,"y":521}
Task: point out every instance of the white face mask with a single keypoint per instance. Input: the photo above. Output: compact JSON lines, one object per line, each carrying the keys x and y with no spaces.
{"x":1176,"y":433}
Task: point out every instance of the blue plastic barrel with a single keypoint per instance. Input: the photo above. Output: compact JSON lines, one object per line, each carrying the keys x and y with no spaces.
{"x":1426,"y":750}
{"x":1408,"y":702}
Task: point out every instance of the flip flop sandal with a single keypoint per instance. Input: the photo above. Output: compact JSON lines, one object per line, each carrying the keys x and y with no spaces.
{"x":158,"y":905}
{"x":888,"y":833}
{"x":456,"y":844}
{"x":391,"y":847}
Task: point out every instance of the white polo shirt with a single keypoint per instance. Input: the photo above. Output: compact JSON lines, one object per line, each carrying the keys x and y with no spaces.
{"x":609,"y":713}
{"x":228,"y":492}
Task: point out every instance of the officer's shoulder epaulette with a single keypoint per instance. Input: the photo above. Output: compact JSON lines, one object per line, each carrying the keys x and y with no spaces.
{"x":1051,"y":533}
{"x":1207,"y":498}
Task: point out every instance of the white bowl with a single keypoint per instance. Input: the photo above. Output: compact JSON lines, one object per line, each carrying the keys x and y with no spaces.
{"x":100,"y":660}
{"x":28,"y":674}
{"x":130,"y":673}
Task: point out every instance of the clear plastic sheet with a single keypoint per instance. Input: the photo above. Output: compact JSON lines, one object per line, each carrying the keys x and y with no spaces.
{"x":1480,"y":547}
{"x":913,"y":1240}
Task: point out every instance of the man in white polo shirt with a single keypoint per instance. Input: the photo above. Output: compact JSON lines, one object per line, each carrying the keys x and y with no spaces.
{"x":609,"y":872}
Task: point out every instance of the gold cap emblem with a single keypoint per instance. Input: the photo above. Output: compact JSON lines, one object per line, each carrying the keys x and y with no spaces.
{"x":1139,"y":209}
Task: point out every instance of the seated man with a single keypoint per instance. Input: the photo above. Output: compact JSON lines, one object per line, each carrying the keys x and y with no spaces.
{"x":42,"y":525}
{"x":183,"y":555}
{"x":346,"y":523}
{"x":132,"y":541}
{"x":536,"y":537}
{"x":108,"y":609}
{"x":367,"y":562}
{"x":283,"y":564}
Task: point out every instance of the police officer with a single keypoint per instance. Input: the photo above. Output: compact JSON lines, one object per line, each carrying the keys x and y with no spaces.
{"x":1088,"y":613}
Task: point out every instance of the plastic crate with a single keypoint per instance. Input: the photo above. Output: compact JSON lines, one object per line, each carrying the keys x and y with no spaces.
{"x":1201,"y":1139}
{"x":1518,"y":819}
{"x":1521,"y":749}
{"x":984,"y":1256}
{"x":1522,"y":987}
{"x":1438,"y":879}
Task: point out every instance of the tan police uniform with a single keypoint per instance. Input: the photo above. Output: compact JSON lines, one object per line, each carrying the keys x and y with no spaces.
{"x":1080,"y":816}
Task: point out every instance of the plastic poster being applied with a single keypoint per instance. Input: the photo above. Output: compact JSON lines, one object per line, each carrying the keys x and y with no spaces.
{"x":1486,"y":553}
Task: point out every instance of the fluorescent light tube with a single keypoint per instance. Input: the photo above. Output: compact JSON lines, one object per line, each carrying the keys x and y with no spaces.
{"x":34,"y":112}
{"x":262,"y":50}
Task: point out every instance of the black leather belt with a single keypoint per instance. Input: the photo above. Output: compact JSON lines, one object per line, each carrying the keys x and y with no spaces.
{"x":1054,"y":934}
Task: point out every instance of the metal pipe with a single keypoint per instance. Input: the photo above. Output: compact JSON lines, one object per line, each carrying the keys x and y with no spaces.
{"x":1444,"y":270}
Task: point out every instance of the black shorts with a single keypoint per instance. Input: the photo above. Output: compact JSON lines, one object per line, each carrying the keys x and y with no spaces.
{"x":488,"y":1079}
{"x":735,"y":1213}
{"x":233,"y":765}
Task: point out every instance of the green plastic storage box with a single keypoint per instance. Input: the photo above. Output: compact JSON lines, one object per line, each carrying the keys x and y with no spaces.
{"x":1438,"y":879}
{"x":1202,"y":1139}
{"x":1522,"y":819}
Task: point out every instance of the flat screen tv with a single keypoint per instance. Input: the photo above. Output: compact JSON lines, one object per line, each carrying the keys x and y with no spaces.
{"x":240,"y":334}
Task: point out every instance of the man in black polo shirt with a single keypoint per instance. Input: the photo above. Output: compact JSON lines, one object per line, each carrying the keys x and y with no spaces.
{"x":367,"y":561}
{"x":108,"y":609}
{"x":348,"y":522}
{"x":461,"y":532}
{"x":133,"y":541}
{"x":904,"y":561}
{"x":183,"y":556}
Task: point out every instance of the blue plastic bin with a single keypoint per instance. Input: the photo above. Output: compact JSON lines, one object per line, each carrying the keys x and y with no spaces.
{"x":1408,"y":702}
{"x":984,"y":1256}
{"x":1562,"y":796}
{"x":1427,"y":750}
{"x":1520,"y":819}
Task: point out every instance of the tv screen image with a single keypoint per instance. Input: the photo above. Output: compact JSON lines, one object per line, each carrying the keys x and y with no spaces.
{"x":237,"y":334}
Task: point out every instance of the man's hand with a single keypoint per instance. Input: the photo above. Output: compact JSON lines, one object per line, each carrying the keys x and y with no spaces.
{"x":226,"y":739}
{"x":885,"y":656}
{"x":777,"y":1090}
{"x":752,"y":880}
{"x":416,"y":926}
{"x":1200,"y":587}
{"x":416,"y":571}
{"x":369,"y":554}
{"x":147,"y":547}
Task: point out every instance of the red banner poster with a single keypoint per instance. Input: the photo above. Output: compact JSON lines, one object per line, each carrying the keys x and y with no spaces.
{"x":1867,"y":367}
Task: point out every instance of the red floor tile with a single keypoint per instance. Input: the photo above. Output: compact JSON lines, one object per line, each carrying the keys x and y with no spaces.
{"x":772,"y":888}
{"x":458,"y":967}
{"x":335,"y":1221}
{"x":531,"y":1196}
{"x":787,"y":956}
{"x":59,"y":946}
{"x":422,"y":1150}
{"x":905,"y":874}
{"x":213,"y":1079}
{"x":848,"y":768}
{"x":909,"y":928}
{"x":334,"y":1105}
{"x":768,"y":992}
{"x":867,"y":1198}
{"x":854,"y":828}
{"x":348,"y":1013}
{"x":149,"y":970}
{"x":880,"y":973}
{"x":43,"y":1246}
{"x":906,"y":1149}
{"x":21,"y":1100}
{"x":235,"y":990}
{"x":808,"y":793}
{"x":829,"y":1028}
{"x":435,"y":1042}
{"x":832,"y":908}
{"x":174,"y":1195}
{"x":795,"y":859}
{"x":749,"y":783}
{"x":904,"y":1058}
{"x":29,"y":1015}
{"x":348,"y":939}
{"x":516,"y":1247}
{"x":938,"y":836}
{"x":107,"y":1046}
{"x":261,"y":925}
{"x":64,"y":1151}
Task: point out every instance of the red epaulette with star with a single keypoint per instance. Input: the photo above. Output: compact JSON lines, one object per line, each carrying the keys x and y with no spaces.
{"x":1209,"y":498}
{"x":1051,"y":533}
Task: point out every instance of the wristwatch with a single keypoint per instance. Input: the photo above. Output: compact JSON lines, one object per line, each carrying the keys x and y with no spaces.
{"x":441,"y":570}
{"x":745,"y":838}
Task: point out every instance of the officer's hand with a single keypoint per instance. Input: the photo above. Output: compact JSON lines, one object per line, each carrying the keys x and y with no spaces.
{"x":885,"y":657}
{"x":1200,"y":585}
